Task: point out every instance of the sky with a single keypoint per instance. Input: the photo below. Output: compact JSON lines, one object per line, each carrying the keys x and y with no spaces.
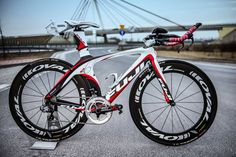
{"x":27,"y":17}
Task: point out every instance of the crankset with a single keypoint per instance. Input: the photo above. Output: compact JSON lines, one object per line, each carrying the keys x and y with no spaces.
{"x":99,"y":111}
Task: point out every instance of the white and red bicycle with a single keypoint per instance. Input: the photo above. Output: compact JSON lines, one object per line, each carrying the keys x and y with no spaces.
{"x":171,"y":102}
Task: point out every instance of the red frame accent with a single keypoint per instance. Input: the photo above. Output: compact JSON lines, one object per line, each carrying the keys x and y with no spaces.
{"x":80,"y":43}
{"x":90,"y":78}
{"x":148,"y":57}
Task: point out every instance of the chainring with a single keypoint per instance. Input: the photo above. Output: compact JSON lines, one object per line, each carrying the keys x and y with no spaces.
{"x":95,"y":110}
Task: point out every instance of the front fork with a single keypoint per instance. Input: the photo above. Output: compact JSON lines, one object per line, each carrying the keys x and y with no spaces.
{"x":160,"y":77}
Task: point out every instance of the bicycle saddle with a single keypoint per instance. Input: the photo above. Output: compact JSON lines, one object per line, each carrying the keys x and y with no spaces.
{"x":158,"y":30}
{"x":81,"y":24}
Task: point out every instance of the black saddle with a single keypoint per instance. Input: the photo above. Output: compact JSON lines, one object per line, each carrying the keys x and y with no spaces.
{"x":158,"y":30}
{"x":160,"y":33}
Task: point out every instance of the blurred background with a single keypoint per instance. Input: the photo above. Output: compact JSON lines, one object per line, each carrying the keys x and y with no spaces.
{"x":32,"y":26}
{"x":29,"y":31}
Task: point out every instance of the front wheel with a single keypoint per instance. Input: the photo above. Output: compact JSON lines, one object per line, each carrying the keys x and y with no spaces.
{"x":191,"y":116}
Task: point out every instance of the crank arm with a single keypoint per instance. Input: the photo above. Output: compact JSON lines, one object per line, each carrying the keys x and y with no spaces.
{"x":109,"y":109}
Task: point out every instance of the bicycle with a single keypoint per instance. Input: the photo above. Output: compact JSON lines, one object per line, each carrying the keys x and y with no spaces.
{"x":171,"y":102}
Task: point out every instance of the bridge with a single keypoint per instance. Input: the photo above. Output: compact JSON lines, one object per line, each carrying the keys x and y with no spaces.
{"x":207,"y":27}
{"x":115,"y":11}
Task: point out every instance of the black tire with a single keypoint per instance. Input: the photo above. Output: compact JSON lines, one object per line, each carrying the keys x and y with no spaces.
{"x":190,"y":118}
{"x":26,"y":95}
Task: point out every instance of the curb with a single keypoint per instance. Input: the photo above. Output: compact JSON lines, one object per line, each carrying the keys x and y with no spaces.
{"x":12,"y":65}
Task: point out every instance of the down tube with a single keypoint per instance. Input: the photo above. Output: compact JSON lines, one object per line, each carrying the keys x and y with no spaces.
{"x":127,"y":78}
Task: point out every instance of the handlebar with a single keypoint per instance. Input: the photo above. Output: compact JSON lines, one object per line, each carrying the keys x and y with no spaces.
{"x":172,"y":40}
{"x":187,"y":35}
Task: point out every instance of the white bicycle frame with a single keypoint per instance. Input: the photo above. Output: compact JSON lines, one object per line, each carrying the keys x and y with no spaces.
{"x":147,"y":57}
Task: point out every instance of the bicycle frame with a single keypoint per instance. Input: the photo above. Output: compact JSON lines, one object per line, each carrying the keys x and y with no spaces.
{"x":85,"y":65}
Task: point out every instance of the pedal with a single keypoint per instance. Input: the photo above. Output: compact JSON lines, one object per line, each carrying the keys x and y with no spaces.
{"x":118,"y":107}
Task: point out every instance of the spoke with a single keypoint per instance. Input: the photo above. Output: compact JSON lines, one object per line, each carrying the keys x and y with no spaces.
{"x":58,"y":119}
{"x":32,"y":109}
{"x":166,"y":119}
{"x":69,"y":97}
{"x":154,"y":102}
{"x":184,"y":89}
{"x":34,"y":90}
{"x":155,"y":110}
{"x":70,"y":110}
{"x":49,"y":82}
{"x":189,"y":102}
{"x":26,"y":102}
{"x":157,"y":89}
{"x":63,"y":116}
{"x":189,"y":96}
{"x":172,"y":121}
{"x":68,"y":93}
{"x":179,"y":119}
{"x":39,"y":118}
{"x":188,"y":109}
{"x":171,"y":82}
{"x":34,"y":114}
{"x":54,"y":78}
{"x":36,"y":86}
{"x":179,"y":86}
{"x":159,"y":115}
{"x":154,"y":96}
{"x":43,"y":83}
{"x":185,"y":115}
{"x":45,"y":123}
{"x":32,"y":95}
{"x":64,"y":121}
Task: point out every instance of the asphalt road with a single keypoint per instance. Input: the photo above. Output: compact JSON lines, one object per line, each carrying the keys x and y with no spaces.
{"x":120,"y":137}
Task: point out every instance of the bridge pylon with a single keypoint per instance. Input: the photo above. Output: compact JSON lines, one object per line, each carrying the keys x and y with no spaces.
{"x":228,"y":34}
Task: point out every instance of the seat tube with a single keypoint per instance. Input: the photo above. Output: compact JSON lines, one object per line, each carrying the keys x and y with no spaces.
{"x":81,"y":43}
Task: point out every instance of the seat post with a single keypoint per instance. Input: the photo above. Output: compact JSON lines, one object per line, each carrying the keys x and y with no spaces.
{"x":81,"y":42}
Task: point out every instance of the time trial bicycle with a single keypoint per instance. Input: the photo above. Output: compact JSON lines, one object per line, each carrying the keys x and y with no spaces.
{"x":171,"y":102}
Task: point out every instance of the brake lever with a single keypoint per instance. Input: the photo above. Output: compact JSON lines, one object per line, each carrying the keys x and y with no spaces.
{"x":181,"y":47}
{"x":192,"y":41}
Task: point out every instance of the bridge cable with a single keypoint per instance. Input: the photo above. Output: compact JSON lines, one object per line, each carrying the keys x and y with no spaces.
{"x":131,"y":21}
{"x":79,"y":10}
{"x":93,"y":12}
{"x":154,"y":14}
{"x":115,"y":23}
{"x":99,"y":14}
{"x":110,"y":12}
{"x":82,"y":10}
{"x":83,"y":16}
{"x":135,"y":13}
{"x":76,"y":10}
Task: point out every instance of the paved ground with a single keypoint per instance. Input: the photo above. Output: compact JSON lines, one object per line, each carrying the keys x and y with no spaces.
{"x":120,"y":137}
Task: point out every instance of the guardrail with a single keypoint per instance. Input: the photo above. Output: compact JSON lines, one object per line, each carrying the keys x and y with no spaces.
{"x":34,"y":48}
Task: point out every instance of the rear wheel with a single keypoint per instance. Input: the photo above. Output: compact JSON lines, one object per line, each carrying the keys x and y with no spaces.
{"x":26,"y":100}
{"x":191,"y":117}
